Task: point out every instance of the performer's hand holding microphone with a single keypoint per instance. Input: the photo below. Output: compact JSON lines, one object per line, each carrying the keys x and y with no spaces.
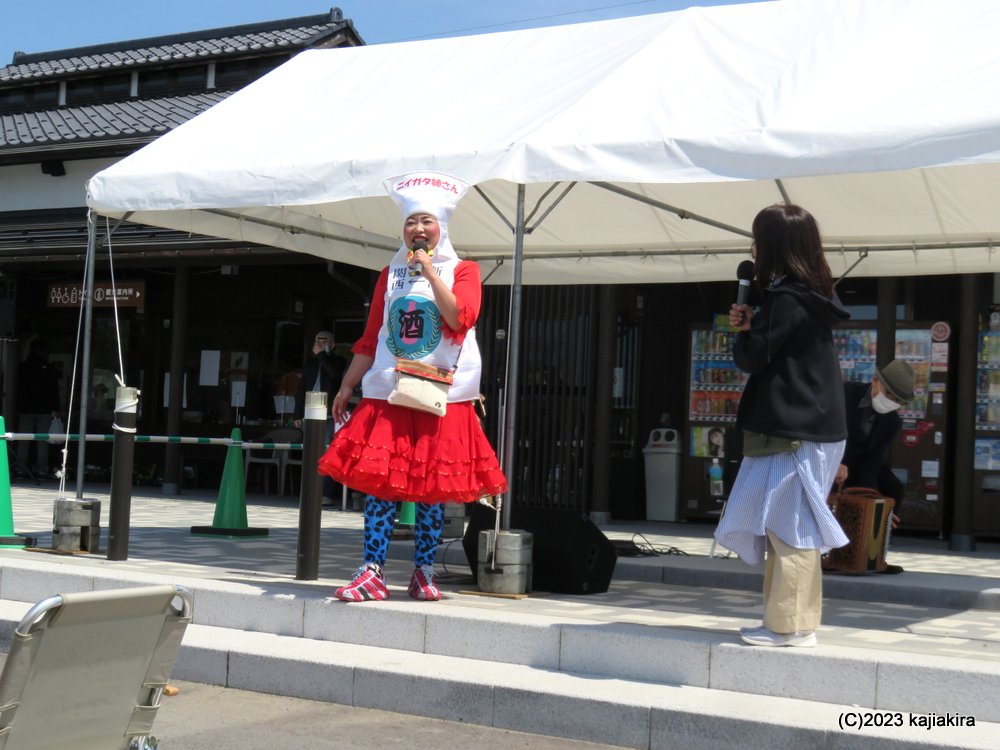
{"x":417,"y":245}
{"x":415,"y":260}
{"x":739,"y":313}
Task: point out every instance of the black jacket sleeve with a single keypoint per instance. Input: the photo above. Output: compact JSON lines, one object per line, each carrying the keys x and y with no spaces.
{"x":778,"y":317}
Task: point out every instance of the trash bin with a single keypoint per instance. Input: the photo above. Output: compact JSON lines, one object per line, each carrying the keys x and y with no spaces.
{"x":662,"y":457}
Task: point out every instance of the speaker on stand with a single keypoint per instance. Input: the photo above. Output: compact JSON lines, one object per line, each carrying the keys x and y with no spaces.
{"x":570,"y":554}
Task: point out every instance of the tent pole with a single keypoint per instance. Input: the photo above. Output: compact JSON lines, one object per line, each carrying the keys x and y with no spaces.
{"x":88,"y":316}
{"x":513,"y":360}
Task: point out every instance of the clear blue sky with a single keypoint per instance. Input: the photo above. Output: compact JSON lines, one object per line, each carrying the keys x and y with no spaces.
{"x":44,"y":25}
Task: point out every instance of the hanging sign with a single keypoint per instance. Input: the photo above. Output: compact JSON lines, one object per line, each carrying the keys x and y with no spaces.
{"x":125,"y":294}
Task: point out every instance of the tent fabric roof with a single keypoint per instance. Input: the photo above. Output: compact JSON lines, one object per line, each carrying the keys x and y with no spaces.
{"x":882,"y":117}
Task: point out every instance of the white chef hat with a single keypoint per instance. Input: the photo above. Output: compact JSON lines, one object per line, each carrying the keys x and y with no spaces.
{"x":433,"y":193}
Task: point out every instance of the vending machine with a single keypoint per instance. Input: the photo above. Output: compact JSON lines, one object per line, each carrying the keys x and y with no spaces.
{"x":918,"y":455}
{"x":714,"y":390}
{"x":986,"y":473}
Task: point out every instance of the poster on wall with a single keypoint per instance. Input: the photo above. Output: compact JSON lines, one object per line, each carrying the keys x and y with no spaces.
{"x":209,"y":372}
{"x":238,"y":393}
{"x":987,"y":455}
{"x":708,"y":442}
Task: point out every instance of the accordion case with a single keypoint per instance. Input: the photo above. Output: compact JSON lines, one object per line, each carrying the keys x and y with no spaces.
{"x":865,"y":516}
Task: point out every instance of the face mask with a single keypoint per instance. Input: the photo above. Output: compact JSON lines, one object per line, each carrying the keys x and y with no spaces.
{"x":883,"y":404}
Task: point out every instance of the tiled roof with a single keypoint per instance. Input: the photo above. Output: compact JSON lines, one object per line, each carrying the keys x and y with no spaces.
{"x":233,"y":41}
{"x":130,"y":119}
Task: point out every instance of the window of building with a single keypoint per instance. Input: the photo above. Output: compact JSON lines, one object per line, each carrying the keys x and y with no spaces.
{"x":230,"y":74}
{"x":97,"y":88}
{"x":181,"y":80}
{"x":29,"y":97}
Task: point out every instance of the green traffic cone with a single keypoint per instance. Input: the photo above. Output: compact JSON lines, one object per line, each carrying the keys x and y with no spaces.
{"x":406,"y":521}
{"x":7,"y":536}
{"x":231,"y":507}
{"x":407,"y":514}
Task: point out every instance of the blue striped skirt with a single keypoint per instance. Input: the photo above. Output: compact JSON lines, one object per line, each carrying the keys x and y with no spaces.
{"x":786,"y":494}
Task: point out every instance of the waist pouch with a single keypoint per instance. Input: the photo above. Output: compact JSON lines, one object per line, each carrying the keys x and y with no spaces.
{"x":421,"y":387}
{"x":760,"y":444}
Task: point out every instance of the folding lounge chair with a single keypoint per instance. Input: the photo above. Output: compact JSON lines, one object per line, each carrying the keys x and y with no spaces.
{"x":86,"y":671}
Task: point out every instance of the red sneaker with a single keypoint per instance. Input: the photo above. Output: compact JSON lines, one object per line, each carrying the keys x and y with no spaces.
{"x":422,"y":585}
{"x":367,"y":585}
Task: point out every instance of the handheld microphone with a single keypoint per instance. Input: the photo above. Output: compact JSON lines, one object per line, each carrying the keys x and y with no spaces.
{"x":745,"y":273}
{"x":419,"y":245}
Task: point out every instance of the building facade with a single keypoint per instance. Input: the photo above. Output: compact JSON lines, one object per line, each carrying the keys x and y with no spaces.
{"x":67,"y":114}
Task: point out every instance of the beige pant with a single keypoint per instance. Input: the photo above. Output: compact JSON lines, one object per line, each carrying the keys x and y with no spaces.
{"x":793,"y":587}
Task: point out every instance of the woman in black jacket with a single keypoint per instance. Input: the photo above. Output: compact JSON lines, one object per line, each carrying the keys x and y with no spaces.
{"x":792,"y":417}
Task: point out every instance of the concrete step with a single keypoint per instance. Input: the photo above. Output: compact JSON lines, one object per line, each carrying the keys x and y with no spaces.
{"x":568,"y":704}
{"x":934,"y":590}
{"x":544,"y":701}
{"x":902,"y":671}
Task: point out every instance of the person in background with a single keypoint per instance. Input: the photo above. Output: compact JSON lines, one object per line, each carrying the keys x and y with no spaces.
{"x":872,"y":425}
{"x":37,"y":404}
{"x":423,"y":314}
{"x":321,"y":372}
{"x":791,"y":413}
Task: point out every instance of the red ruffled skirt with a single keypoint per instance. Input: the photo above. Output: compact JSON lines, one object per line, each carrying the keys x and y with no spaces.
{"x":398,"y":454}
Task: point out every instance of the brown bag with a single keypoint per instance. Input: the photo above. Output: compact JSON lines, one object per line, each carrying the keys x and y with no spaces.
{"x":866,"y":518}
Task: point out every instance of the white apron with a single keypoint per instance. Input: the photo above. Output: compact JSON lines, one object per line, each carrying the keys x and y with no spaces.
{"x":412,"y":329}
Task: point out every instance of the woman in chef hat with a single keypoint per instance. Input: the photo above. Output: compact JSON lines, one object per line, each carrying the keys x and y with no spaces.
{"x":422,"y":318}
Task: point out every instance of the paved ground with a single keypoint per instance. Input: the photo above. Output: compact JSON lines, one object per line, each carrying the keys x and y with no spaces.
{"x":206,"y":716}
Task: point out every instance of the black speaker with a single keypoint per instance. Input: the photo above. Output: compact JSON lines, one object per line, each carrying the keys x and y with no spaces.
{"x":570,"y":555}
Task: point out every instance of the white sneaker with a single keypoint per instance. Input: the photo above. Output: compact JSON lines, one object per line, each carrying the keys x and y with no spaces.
{"x":766,"y":637}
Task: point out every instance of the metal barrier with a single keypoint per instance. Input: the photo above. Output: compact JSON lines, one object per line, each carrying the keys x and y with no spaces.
{"x":314,"y":429}
{"x":94,"y":438}
{"x":70,"y":533}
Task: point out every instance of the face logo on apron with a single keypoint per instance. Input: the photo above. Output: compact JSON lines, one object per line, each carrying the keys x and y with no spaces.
{"x":414,"y":327}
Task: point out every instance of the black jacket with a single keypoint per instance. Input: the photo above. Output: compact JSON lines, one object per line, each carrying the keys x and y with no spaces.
{"x":869,"y":437}
{"x":331,"y":368}
{"x":795,"y":389}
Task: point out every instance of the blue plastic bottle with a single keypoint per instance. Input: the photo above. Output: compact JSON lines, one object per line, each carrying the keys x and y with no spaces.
{"x":715,"y":487}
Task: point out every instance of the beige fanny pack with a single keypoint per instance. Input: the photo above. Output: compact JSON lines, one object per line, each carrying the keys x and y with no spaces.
{"x":421,"y":387}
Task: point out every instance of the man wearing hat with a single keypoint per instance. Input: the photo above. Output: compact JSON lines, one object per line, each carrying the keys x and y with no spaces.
{"x":872,"y":425}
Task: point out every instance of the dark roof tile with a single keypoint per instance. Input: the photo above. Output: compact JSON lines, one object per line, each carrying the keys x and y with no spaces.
{"x":211,"y":43}
{"x":100,"y":122}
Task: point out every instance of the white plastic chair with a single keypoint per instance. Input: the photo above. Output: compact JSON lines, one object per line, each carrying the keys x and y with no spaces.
{"x":289,"y":458}
{"x":266,"y":457}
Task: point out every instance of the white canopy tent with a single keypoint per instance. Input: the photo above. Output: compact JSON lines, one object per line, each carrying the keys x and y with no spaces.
{"x":882,"y":117}
{"x":625,"y":151}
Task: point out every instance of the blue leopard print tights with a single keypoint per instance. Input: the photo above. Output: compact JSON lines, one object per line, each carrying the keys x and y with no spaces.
{"x":380,"y":517}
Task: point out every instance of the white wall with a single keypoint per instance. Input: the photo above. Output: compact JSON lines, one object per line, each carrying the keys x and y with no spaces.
{"x":23,"y":187}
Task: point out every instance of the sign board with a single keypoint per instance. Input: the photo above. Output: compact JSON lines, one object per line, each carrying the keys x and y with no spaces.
{"x":125,"y":293}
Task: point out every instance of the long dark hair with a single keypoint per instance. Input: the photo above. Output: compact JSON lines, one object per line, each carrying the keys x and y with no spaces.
{"x":788,"y":244}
